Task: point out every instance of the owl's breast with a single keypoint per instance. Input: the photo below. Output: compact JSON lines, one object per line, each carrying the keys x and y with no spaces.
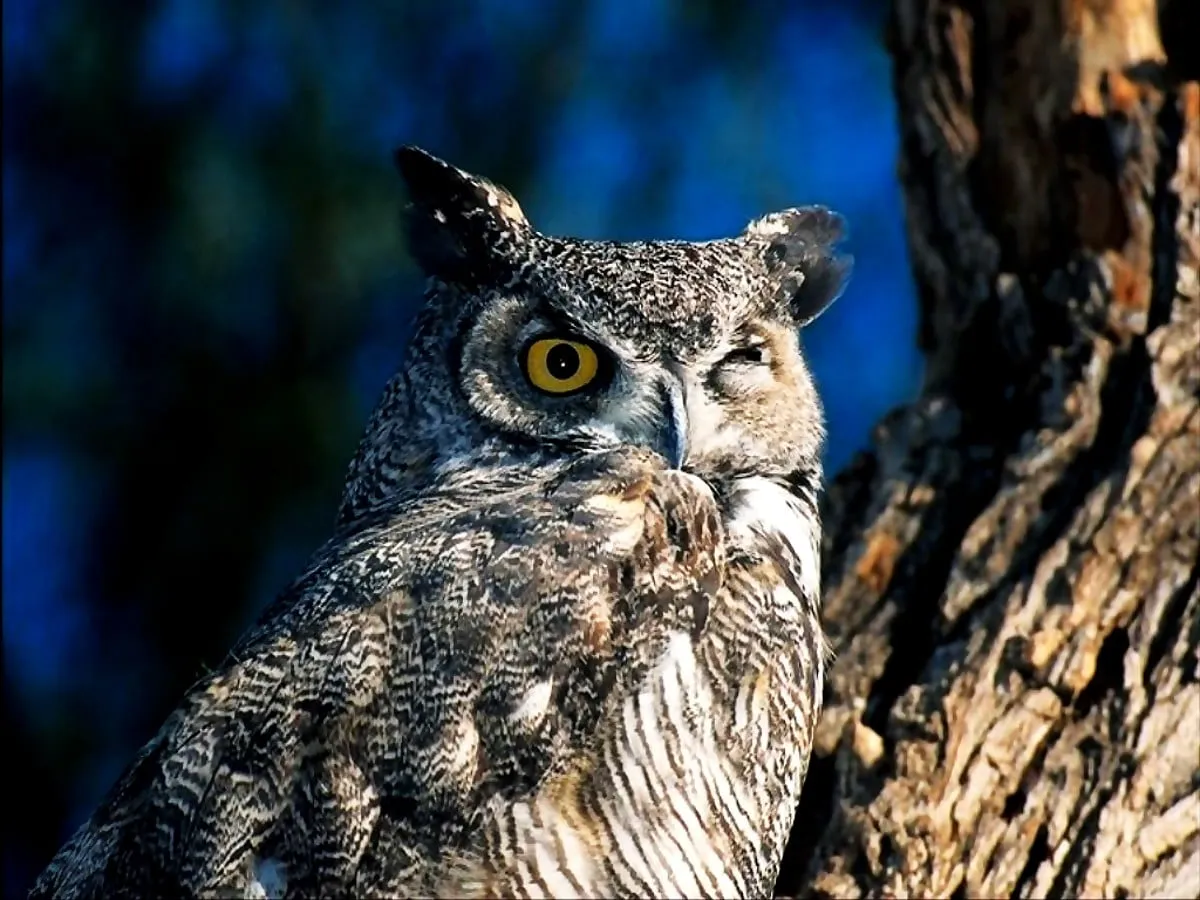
{"x":684,"y":781}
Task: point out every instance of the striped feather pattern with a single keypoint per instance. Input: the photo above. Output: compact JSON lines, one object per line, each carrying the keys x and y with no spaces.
{"x":692,"y":784}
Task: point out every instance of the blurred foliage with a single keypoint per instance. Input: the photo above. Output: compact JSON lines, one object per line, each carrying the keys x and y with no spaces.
{"x":205,"y":290}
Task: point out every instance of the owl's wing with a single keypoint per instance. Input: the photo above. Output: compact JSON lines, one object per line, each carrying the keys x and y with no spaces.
{"x":511,"y":679}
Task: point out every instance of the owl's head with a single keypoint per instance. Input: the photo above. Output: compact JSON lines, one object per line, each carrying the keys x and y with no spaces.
{"x":690,"y":349}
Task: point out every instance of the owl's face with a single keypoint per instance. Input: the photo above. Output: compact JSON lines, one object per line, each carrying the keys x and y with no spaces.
{"x":689,"y":349}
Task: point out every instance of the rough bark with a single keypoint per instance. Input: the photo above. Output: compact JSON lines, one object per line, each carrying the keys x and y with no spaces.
{"x":1011,"y":573}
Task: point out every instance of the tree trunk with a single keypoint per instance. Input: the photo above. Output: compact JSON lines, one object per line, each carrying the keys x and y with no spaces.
{"x":1011,"y":574}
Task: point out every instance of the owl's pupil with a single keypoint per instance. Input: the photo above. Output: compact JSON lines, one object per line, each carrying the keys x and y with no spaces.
{"x":562,"y":361}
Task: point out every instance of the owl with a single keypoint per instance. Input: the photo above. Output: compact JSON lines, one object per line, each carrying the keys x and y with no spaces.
{"x":565,"y":639}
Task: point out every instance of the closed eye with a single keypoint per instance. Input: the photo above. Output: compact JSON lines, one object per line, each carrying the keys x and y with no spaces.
{"x":750,"y":355}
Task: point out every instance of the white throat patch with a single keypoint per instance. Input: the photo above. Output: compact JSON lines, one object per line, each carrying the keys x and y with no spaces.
{"x":762,"y":506}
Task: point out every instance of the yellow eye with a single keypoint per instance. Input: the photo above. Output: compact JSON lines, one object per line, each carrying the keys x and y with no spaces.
{"x":559,"y":366}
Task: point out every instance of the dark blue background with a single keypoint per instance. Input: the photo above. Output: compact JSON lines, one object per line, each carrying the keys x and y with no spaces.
{"x":205,"y":289}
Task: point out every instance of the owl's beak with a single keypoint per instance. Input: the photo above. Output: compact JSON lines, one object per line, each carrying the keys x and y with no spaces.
{"x":674,"y":435}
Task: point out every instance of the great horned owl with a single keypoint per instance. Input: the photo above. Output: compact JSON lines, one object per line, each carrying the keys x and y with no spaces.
{"x":565,"y":640}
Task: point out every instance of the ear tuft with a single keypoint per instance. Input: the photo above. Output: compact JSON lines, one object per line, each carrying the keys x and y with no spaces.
{"x":461,"y":227}
{"x":799,"y":247}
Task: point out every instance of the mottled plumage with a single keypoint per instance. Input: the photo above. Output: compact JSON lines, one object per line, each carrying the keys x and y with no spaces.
{"x":563,"y":642}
